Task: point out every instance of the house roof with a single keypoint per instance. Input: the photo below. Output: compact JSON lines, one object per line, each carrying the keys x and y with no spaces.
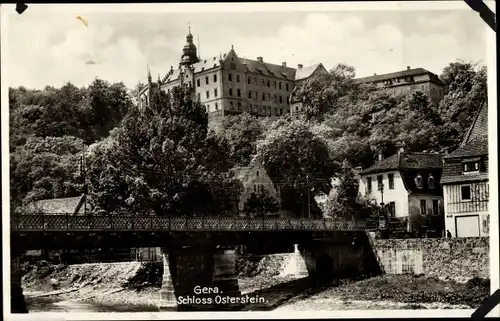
{"x":406,"y":160}
{"x":464,"y":178}
{"x":69,"y":205}
{"x":268,"y":69}
{"x":398,"y":74}
{"x":306,"y":72}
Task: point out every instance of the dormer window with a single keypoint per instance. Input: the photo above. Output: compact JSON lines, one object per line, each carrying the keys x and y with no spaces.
{"x":418,"y":181}
{"x":431,"y":182}
{"x":470,"y":166}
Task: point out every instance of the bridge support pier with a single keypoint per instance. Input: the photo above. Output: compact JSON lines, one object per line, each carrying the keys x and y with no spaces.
{"x":347,"y":255}
{"x":17,"y":301}
{"x":190,"y":271}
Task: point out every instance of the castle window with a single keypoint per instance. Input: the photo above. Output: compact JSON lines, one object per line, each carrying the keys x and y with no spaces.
{"x":216,"y":106}
{"x":239,"y":105}
{"x":249,"y":80}
{"x":206,"y":80}
{"x":286,"y":86}
{"x":279,"y":85}
{"x":238,"y":91}
{"x":208,"y":94}
{"x":418,"y":181}
{"x":281,"y":100}
{"x":274,"y":84}
{"x":215,"y":78}
{"x":230,"y":91}
{"x":281,"y":111}
{"x":255,"y":188}
{"x":296,"y":108}
{"x":255,"y":95}
{"x":237,"y":78}
{"x":215,"y":92}
{"x":249,"y":94}
{"x":257,"y":173}
{"x":233,"y":65}
{"x":230,"y":77}
{"x":250,"y":107}
{"x":262,"y":82}
{"x":275,"y":98}
{"x":268,"y":96}
{"x":255,"y":80}
{"x":231,"y":105}
{"x":208,"y":108}
{"x":199,"y":98}
{"x":263,"y":97}
{"x":275,"y":111}
{"x":268,"y":83}
{"x":431,"y":182}
{"x":198,"y":82}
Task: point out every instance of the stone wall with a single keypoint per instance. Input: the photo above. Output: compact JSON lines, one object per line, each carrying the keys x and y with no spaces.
{"x":459,"y":259}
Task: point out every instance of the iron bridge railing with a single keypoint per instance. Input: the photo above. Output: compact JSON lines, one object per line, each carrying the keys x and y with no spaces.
{"x":70,"y":222}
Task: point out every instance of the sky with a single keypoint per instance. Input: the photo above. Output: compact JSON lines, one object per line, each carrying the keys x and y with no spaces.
{"x":51,"y":47}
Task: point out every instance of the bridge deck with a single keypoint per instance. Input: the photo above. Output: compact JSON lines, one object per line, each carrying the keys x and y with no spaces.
{"x":117,"y":223}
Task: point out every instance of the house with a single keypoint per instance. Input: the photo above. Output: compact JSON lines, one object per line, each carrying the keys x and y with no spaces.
{"x":72,"y":205}
{"x":254,"y":179}
{"x":407,"y":183}
{"x":465,"y":182}
{"x":409,"y":81}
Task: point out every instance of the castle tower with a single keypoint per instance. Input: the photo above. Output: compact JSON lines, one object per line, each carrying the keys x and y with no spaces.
{"x":189,"y":52}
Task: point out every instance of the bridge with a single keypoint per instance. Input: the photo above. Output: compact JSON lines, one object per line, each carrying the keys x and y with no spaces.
{"x":199,"y":250}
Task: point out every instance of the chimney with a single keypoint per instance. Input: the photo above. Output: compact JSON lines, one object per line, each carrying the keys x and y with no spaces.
{"x":283,"y":64}
{"x":171,"y":67}
{"x":401,"y":150}
{"x":260,"y":59}
{"x":407,"y":67}
{"x":299,"y":66}
{"x":374,"y":74}
{"x":380,"y":156}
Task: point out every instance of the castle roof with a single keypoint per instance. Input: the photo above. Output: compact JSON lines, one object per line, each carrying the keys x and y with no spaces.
{"x":399,"y":74}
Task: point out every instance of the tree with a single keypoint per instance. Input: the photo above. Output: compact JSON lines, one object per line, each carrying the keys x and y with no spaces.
{"x":45,"y":168}
{"x":164,"y":161}
{"x":451,"y":71}
{"x":297,"y":161}
{"x":321,"y":92}
{"x":260,"y":204}
{"x":242,"y":132}
{"x":467,"y":93}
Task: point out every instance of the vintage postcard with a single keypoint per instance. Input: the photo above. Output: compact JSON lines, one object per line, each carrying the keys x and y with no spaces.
{"x":280,"y":159}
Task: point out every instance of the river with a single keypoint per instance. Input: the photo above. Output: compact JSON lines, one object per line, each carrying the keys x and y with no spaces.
{"x":44,"y":304}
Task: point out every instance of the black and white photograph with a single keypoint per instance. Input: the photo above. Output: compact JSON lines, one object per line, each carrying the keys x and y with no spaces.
{"x":313,"y":159}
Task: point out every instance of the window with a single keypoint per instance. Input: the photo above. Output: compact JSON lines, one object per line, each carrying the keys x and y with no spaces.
{"x":199,"y":98}
{"x":392,"y":209}
{"x":230,"y":77}
{"x":435,"y":207}
{"x":418,"y":181}
{"x":215,"y":92}
{"x":237,"y":78}
{"x":249,"y":80}
{"x":281,"y":111}
{"x":275,"y":111}
{"x":262,"y":82}
{"x":233,"y":65}
{"x":231,"y":105}
{"x":368,"y":185}
{"x":423,"y":207}
{"x":274,"y":84}
{"x":215,"y":78}
{"x":275,"y":98}
{"x":255,"y":80}
{"x":391,"y":181}
{"x":465,"y":193}
{"x":380,"y":183}
{"x":249,"y":95}
{"x":263,"y":97}
{"x":281,"y":100}
{"x":257,"y":173}
{"x":239,"y":105}
{"x":279,"y":85}
{"x":216,"y":106}
{"x":250,"y":107}
{"x":255,"y":95}
{"x":208,"y":108}
{"x":268,"y":83}
{"x":206,"y":80}
{"x":255,"y":188}
{"x":296,"y":108}
{"x":286,"y":86}
{"x":471,"y":167}
{"x":268,"y":96}
{"x":431,"y":182}
{"x":230,"y":91}
{"x":208,"y":94}
{"x":238,"y":92}
{"x":198,"y":82}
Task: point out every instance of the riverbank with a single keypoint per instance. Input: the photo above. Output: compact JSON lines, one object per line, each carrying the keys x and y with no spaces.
{"x":134,"y":287}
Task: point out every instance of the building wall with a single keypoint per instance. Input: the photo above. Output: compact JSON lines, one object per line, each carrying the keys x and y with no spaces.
{"x":398,"y":195}
{"x":455,"y":207}
{"x":254,"y":177}
{"x":414,"y":202}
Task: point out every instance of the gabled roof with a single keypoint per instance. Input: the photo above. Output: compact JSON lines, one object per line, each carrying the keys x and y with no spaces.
{"x":406,"y":160}
{"x":398,"y":74}
{"x":306,"y":72}
{"x":68,"y":205}
{"x":268,"y":69}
